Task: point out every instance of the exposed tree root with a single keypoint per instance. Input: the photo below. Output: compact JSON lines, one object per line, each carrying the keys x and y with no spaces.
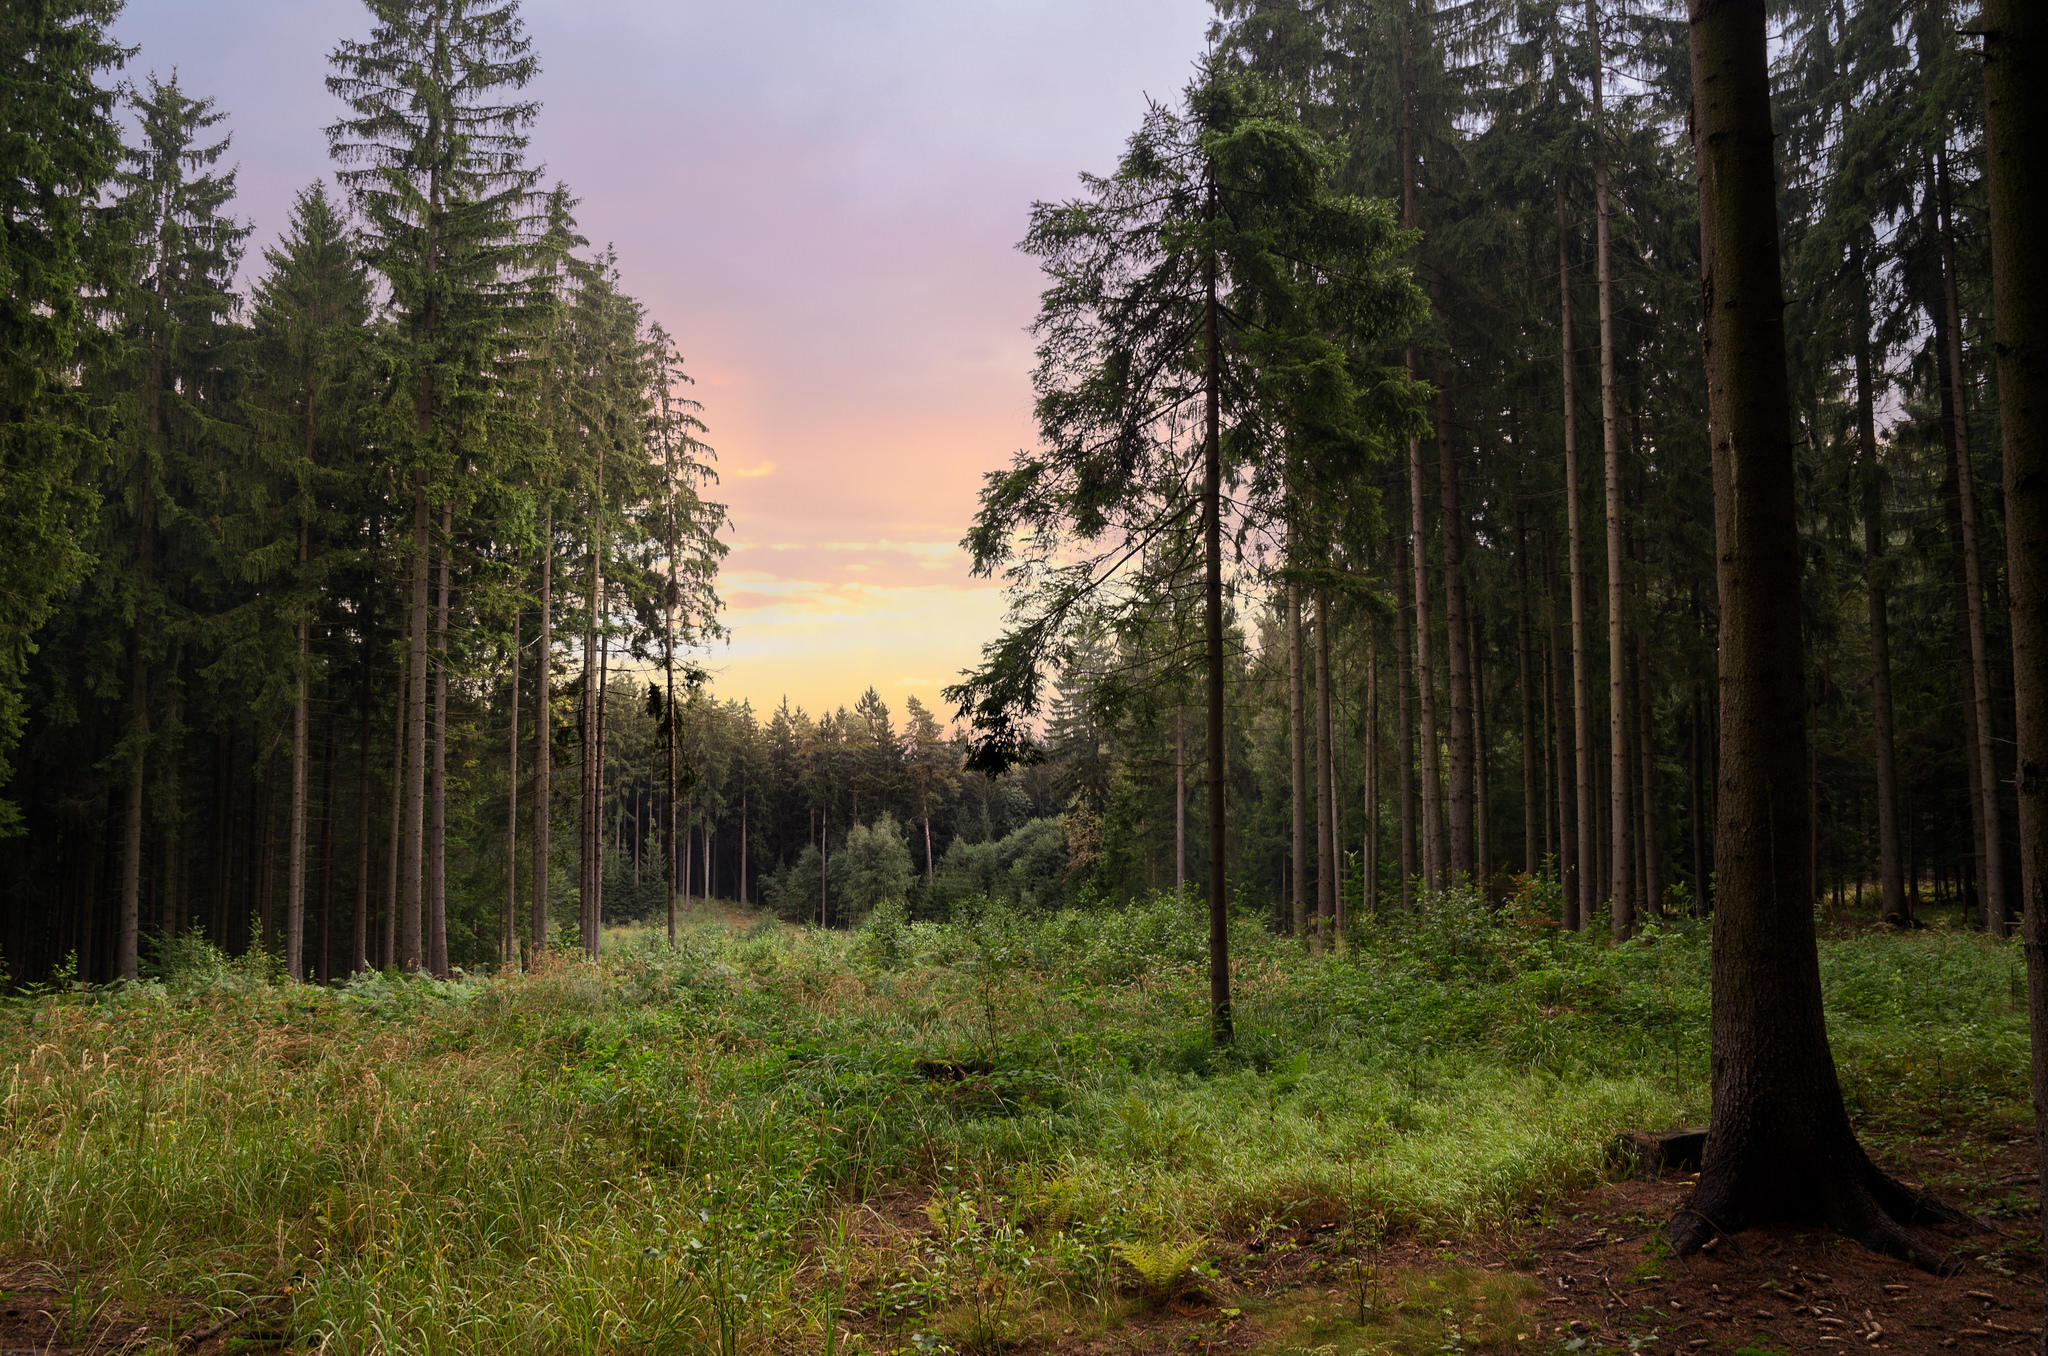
{"x":1849,"y":1195}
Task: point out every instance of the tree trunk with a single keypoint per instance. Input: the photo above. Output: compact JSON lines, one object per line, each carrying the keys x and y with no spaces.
{"x":437,"y":809}
{"x":1180,"y":804}
{"x":1482,"y":825}
{"x":589,"y":843}
{"x":411,"y":867}
{"x":1574,"y":802}
{"x":1404,"y":685}
{"x":1892,"y":885}
{"x":1956,"y":422}
{"x":543,"y":736}
{"x":508,"y":945}
{"x":1462,"y":826}
{"x":668,"y":664}
{"x":1579,"y":892}
{"x":359,"y":951}
{"x":1326,"y":787}
{"x":1220,"y":1028}
{"x":1297,"y":751}
{"x":1973,"y":889}
{"x":1418,"y":528}
{"x":1780,"y":1147}
{"x":394,"y":852}
{"x":323,"y":961}
{"x":1528,"y":694}
{"x":1621,"y":908}
{"x":2015,"y":126}
{"x":1369,"y":889}
{"x":127,"y":958}
{"x":295,"y":859}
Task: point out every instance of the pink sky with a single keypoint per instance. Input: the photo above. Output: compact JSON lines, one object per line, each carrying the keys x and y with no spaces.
{"x":821,"y":200}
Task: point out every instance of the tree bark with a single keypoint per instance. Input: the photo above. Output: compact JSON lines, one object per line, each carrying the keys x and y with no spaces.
{"x":295,"y":861}
{"x":437,"y":809}
{"x":590,"y":845}
{"x":1579,"y":892}
{"x":1418,"y":528}
{"x":1956,"y":416}
{"x":1891,"y":880}
{"x":1528,"y":694}
{"x":1404,"y":686}
{"x":411,"y":867}
{"x":1780,"y":1147}
{"x":543,"y":737}
{"x":1369,"y":892}
{"x":1573,"y":800}
{"x":1220,"y":1025}
{"x":323,"y":961}
{"x":2015,"y":127}
{"x":1461,"y":826}
{"x":1482,"y":826}
{"x":1326,"y":787}
{"x":1297,"y":749}
{"x":508,"y":945}
{"x":1621,"y":908}
{"x":1180,"y":803}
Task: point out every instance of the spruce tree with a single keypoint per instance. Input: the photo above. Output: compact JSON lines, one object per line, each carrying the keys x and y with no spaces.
{"x":169,"y":307}
{"x":1779,"y":1146}
{"x":311,"y":311}
{"x":59,"y":140}
{"x":433,"y":149}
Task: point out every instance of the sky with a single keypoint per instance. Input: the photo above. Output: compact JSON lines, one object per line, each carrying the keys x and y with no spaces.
{"x":821,"y":200}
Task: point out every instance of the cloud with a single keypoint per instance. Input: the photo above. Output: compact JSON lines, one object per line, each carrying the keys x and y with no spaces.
{"x":821,"y":203}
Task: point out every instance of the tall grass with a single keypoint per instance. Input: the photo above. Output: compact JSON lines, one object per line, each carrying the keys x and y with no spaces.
{"x":669,"y":1152}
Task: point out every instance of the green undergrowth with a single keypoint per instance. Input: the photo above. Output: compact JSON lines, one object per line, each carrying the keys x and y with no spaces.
{"x":917,"y":1137}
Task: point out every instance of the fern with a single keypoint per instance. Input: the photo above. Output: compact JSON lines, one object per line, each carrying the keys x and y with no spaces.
{"x":1163,"y":1266}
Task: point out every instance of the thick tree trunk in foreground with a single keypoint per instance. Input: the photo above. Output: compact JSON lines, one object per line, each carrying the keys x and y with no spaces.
{"x":2015,"y":126}
{"x":1780,"y":1147}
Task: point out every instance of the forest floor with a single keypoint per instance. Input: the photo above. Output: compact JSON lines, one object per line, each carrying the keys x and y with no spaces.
{"x":1003,"y":1134}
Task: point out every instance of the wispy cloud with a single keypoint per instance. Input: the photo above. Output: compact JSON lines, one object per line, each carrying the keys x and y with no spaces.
{"x":821,"y":202}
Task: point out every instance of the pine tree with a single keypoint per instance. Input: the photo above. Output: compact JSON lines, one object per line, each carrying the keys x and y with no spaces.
{"x":1224,"y":208}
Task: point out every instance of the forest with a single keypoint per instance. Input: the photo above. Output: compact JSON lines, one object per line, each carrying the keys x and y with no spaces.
{"x":1508,"y":810}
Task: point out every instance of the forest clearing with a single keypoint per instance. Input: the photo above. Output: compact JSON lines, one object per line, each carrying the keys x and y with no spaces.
{"x":1010,"y":1132}
{"x":1472,"y":767}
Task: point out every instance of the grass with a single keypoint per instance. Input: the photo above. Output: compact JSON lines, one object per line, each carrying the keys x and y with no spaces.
{"x":913,"y":1138}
